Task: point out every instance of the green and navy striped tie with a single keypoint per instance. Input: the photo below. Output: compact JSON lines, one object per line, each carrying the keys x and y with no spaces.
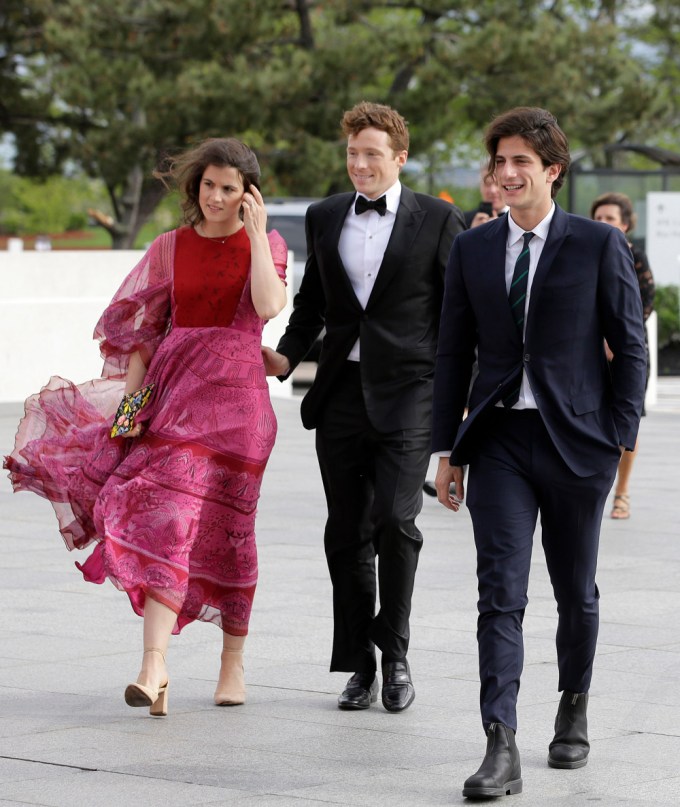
{"x":518,"y":288}
{"x":517,"y":298}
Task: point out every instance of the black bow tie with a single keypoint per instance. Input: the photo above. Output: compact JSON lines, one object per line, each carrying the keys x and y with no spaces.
{"x":363,"y":204}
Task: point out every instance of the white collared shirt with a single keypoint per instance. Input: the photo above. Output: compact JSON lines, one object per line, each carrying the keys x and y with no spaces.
{"x":362,"y":246}
{"x":512,"y":251}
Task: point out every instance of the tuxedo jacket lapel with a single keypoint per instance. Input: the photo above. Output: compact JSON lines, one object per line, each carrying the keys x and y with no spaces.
{"x":331,"y":245}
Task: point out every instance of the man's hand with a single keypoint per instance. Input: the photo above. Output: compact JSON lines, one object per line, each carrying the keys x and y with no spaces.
{"x":274,"y":363}
{"x":448,"y":475}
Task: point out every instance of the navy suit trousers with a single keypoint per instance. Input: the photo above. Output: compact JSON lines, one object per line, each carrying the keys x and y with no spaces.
{"x":517,"y":474}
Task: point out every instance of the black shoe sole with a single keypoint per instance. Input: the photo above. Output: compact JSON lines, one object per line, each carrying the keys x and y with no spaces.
{"x":567,"y":766}
{"x":508,"y":789}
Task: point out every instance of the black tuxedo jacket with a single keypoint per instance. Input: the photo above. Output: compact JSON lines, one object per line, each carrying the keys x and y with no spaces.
{"x":584,"y":291}
{"x":398,"y":328}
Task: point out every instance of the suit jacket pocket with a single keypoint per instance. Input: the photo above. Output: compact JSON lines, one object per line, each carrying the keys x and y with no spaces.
{"x":586,"y":402}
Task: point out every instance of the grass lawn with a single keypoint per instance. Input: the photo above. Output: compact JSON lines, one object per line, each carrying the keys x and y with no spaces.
{"x":92,"y":238}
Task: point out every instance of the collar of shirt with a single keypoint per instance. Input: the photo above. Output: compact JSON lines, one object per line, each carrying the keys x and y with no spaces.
{"x":392,"y":196}
{"x":515,"y":232}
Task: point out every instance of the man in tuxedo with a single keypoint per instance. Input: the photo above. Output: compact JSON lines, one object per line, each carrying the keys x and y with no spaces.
{"x":374,"y":280}
{"x":536,"y":292}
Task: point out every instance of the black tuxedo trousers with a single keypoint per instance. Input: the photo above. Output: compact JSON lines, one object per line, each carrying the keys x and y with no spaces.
{"x":373,"y":485}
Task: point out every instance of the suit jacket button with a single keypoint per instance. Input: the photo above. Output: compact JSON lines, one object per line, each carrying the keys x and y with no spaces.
{"x":527,"y":357}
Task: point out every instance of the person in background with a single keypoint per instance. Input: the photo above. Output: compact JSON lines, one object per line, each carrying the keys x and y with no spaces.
{"x":491,"y":205}
{"x":617,"y":209}
{"x":170,"y":505}
{"x":536,"y":292}
{"x":374,"y":280}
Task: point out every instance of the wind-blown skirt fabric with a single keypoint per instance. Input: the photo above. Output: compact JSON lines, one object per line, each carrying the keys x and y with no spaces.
{"x":177,"y":506}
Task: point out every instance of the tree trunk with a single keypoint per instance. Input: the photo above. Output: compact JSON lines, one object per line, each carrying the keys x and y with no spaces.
{"x":136,"y":207}
{"x":133,"y":209}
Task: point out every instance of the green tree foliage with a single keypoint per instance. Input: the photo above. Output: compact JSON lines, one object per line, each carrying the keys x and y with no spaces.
{"x":111,"y":87}
{"x":667,"y":307}
{"x":51,"y":205}
{"x":575,"y":63}
{"x":659,"y":33}
{"x":25,"y":96}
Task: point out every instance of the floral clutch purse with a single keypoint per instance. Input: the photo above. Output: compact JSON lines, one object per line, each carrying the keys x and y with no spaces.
{"x":132,"y":403}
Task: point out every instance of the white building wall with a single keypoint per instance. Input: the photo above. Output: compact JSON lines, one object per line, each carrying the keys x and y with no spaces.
{"x":49,"y":305}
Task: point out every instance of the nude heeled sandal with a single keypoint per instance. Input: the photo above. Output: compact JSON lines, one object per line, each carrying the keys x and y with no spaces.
{"x":225,"y":696}
{"x":156,"y":699}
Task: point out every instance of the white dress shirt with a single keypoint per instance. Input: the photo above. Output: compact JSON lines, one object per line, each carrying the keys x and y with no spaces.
{"x":512,"y":251}
{"x":362,"y":246}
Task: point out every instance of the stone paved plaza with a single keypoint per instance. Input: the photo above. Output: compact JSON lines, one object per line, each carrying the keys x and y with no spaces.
{"x":68,"y":648}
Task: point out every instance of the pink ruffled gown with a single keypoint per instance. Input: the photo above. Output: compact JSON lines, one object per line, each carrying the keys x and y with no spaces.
{"x":172,"y":513}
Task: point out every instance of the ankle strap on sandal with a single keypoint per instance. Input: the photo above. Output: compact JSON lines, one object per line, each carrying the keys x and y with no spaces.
{"x":155,"y":650}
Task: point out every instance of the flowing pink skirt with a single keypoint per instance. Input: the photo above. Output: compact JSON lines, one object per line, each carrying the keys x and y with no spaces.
{"x":173,"y":512}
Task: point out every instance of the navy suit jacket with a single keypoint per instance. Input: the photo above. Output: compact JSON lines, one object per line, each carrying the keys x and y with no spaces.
{"x":584,"y":291}
{"x":398,"y":328}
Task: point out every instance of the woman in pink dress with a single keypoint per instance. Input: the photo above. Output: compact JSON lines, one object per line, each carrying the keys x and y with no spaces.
{"x":171,"y":505}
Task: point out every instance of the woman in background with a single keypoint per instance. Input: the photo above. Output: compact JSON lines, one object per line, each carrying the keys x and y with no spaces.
{"x":617,"y":209}
{"x":171,"y":504}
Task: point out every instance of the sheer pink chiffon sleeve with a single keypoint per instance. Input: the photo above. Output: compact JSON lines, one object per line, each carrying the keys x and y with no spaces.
{"x":62,"y":449}
{"x":138,"y":317}
{"x":279,"y":253}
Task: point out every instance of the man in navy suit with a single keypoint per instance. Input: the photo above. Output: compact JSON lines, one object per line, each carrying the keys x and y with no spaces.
{"x":374,"y":278}
{"x":536,"y":292}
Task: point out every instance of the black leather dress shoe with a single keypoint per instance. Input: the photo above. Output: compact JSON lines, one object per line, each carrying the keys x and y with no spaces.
{"x":500,"y":773}
{"x":361,"y":691}
{"x":570,"y":746}
{"x":397,"y":689}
